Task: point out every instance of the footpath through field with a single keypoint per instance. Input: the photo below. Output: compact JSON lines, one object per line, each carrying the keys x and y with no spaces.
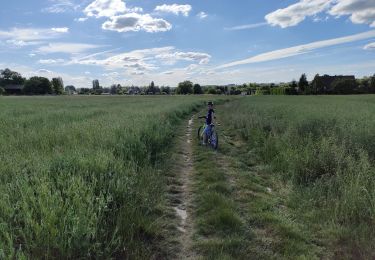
{"x":227,"y":207}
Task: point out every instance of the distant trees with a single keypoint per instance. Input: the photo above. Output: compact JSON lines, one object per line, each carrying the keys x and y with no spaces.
{"x":9,"y":77}
{"x":116,"y":89}
{"x":344,"y":86}
{"x":165,"y":90}
{"x":185,"y":88}
{"x":38,"y":86}
{"x":58,"y":86}
{"x":98,"y":90}
{"x":372,"y":84}
{"x":303,"y":84}
{"x":152,"y":89}
{"x":197,"y":89}
{"x":70,"y":89}
{"x":317,"y":85}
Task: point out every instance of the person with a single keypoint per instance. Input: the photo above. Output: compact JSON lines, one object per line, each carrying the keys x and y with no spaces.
{"x":209,"y":122}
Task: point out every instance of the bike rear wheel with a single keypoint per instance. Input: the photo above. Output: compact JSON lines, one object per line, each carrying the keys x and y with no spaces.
{"x":214,"y":142}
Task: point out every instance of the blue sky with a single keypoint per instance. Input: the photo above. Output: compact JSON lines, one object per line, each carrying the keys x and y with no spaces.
{"x":209,"y":42}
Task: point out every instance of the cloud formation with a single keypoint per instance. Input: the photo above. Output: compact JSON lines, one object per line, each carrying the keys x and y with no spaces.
{"x":61,"y":30}
{"x":370,"y":47}
{"x":296,"y":13}
{"x":30,"y":34}
{"x":245,"y":27}
{"x":108,"y":8}
{"x":300,"y":49}
{"x":61,"y":6}
{"x":359,"y":11}
{"x":136,"y":22}
{"x":138,"y":62}
{"x":64,"y":47}
{"x":174,"y":9}
{"x":202,"y":15}
{"x":51,"y":61}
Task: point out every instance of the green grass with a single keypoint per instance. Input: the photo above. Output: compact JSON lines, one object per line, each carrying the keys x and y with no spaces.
{"x":89,"y":177}
{"x":81,"y":177}
{"x":317,"y":155}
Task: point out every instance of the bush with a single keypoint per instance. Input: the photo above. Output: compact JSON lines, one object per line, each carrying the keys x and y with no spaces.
{"x":38,"y":86}
{"x":2,"y":91}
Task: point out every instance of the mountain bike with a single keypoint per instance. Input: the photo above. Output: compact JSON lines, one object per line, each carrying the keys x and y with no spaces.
{"x":212,"y":139}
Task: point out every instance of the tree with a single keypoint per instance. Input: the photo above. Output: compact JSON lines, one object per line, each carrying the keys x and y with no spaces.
{"x":185,"y":88}
{"x":165,"y":90}
{"x":116,"y":89}
{"x":211,"y":91}
{"x":38,"y":86}
{"x":152,"y":90}
{"x":344,"y":86}
{"x":372,"y":84}
{"x":58,"y":86}
{"x":317,"y":86}
{"x":2,"y":91}
{"x":8,"y":77}
{"x":70,"y":89}
{"x":197,"y":89}
{"x":95,"y":84}
{"x":303,"y":84}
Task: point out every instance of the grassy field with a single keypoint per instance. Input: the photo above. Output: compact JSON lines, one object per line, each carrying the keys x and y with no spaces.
{"x":306,"y":173}
{"x":81,"y":176}
{"x":94,"y":177}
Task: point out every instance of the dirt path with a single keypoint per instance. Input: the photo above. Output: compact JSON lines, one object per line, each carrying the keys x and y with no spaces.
{"x":182,"y":191}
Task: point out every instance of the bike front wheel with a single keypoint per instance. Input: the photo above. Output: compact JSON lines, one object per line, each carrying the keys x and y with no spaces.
{"x":200,"y":131}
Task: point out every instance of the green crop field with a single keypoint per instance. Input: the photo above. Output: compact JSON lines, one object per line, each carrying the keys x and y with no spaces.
{"x":79,"y":176}
{"x":99,"y":177}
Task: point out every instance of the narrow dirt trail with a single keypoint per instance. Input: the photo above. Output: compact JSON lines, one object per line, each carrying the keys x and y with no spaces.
{"x":183,"y":193}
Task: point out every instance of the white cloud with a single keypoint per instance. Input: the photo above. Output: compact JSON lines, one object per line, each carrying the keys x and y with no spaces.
{"x":109,"y":8}
{"x":61,"y":30}
{"x":139,"y":62}
{"x":245,"y":27}
{"x":51,"y":61}
{"x":29,"y":34}
{"x":370,"y":46}
{"x":202,"y":15}
{"x":171,"y":58}
{"x":136,"y":22}
{"x":20,"y":43}
{"x":301,"y":49}
{"x":174,"y":9}
{"x":61,"y":6}
{"x":81,"y":19}
{"x":44,"y":71}
{"x":66,"y":48}
{"x":360,"y":11}
{"x":296,"y":13}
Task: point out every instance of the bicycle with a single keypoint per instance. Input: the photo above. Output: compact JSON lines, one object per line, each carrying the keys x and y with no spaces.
{"x":213,"y":139}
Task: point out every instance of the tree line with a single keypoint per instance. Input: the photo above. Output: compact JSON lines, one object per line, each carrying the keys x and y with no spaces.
{"x":12,"y":82}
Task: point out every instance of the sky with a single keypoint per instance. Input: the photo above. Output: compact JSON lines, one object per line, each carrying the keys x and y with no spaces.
{"x":134,"y":42}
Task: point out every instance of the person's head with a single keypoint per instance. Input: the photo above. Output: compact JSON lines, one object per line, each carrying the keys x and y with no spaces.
{"x":210,"y":104}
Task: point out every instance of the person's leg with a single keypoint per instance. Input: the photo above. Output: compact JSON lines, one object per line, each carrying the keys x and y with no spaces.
{"x":207,"y":134}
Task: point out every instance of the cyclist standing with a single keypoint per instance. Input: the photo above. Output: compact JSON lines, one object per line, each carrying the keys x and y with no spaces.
{"x":209,"y":122}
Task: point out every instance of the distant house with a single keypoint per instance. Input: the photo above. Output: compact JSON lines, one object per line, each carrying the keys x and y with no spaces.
{"x":326,"y":81}
{"x":134,"y":91}
{"x":13,"y":89}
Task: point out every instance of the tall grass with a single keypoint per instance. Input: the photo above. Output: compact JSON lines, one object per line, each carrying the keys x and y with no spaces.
{"x":324,"y":147}
{"x":80,"y":177}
